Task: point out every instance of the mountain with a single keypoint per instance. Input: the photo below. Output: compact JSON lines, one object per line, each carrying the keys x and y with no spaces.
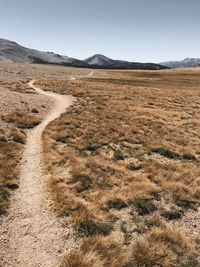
{"x":13,"y":52}
{"x":101,"y":61}
{"x":186,"y":63}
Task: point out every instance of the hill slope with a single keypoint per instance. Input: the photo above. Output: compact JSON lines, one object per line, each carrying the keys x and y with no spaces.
{"x":13,"y":52}
{"x":186,"y":63}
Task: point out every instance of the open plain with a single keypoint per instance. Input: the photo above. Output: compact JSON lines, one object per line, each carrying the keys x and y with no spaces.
{"x":99,"y":169}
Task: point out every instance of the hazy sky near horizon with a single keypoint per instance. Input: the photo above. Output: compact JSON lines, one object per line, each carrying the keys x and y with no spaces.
{"x":136,"y":30}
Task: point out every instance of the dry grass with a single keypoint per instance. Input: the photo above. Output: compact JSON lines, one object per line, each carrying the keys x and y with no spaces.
{"x":127,"y":150}
{"x":11,"y":147}
{"x":161,"y":246}
{"x":17,"y":86}
{"x":15,"y":76}
{"x":17,"y":115}
{"x":97,"y":252}
{"x":12,"y":140}
{"x":164,"y":247}
{"x":22,"y":120}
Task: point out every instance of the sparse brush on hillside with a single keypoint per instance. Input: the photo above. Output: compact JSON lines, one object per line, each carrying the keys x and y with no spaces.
{"x":127,"y":151}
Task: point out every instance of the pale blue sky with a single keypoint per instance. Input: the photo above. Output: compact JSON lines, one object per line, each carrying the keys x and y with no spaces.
{"x":136,"y":30}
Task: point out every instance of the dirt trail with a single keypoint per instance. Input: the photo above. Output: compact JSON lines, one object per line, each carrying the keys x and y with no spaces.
{"x":35,"y":236}
{"x":84,"y":76}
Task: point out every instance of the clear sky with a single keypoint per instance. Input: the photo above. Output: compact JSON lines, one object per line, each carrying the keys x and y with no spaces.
{"x":136,"y":30}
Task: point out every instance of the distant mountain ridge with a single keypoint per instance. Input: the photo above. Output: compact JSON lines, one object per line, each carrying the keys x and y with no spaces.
{"x":186,"y":63}
{"x":101,"y":61}
{"x":13,"y":52}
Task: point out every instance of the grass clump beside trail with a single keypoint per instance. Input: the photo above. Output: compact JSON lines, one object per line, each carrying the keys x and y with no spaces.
{"x":12,"y":140}
{"x":117,"y":204}
{"x":164,"y":246}
{"x":85,"y":182}
{"x":23,"y":120}
{"x":90,"y":228}
{"x":126,"y":152}
{"x":144,"y":206}
{"x":10,"y":155}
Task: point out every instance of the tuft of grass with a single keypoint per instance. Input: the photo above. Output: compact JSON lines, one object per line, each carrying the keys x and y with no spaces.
{"x":172,"y":214}
{"x":22,"y":120}
{"x":148,"y":253}
{"x":10,"y":154}
{"x":144,"y":206}
{"x":166,"y":153}
{"x":134,"y":167}
{"x":93,"y":147}
{"x":184,"y":203}
{"x":90,"y":228}
{"x":117,"y":204}
{"x":4,"y":200}
{"x":162,"y":247}
{"x":85,"y":182}
{"x":96,"y":251}
{"x":18,"y":136}
{"x":118,"y":155}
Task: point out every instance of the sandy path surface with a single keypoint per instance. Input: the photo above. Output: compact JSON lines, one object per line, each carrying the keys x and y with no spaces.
{"x":73,"y":78}
{"x":34,"y":235}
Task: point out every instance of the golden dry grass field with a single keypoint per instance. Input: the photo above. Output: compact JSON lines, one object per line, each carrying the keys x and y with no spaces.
{"x":122,"y":163}
{"x":123,"y":167}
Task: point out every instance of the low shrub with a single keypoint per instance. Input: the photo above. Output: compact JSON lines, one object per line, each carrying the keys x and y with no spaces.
{"x":85,"y":182}
{"x":117,"y":204}
{"x":144,"y":206}
{"x":91,"y":228}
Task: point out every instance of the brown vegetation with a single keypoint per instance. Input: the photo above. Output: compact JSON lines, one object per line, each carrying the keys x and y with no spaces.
{"x":22,"y":120}
{"x":12,"y":139}
{"x":17,"y":115}
{"x":126,"y":151}
{"x":11,"y":146}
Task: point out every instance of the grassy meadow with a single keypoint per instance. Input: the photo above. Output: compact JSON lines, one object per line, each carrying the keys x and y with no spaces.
{"x":123,"y":167}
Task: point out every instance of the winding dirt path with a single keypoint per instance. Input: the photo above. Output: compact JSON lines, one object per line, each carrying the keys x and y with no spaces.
{"x":36,"y":236}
